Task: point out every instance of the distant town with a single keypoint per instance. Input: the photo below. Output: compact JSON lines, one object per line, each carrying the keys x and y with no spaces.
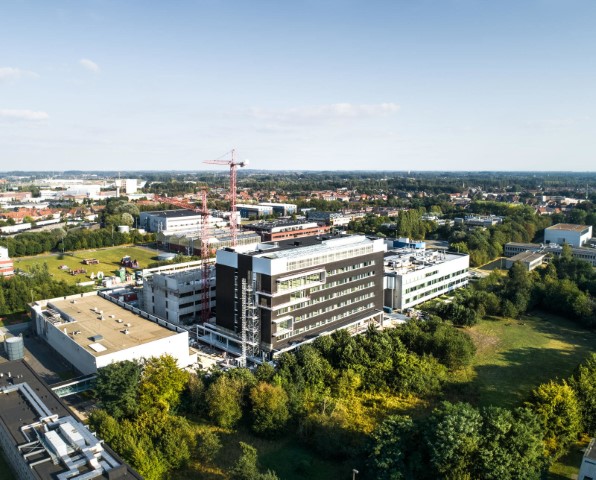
{"x":347,"y":322}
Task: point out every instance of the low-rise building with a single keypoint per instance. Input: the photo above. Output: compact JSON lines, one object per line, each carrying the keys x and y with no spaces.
{"x":282,"y":209}
{"x":282,"y":230}
{"x":93,"y":330}
{"x":585,"y":254}
{"x":530,"y":260}
{"x":415,"y":276}
{"x":6,"y":264}
{"x":483,"y":221}
{"x":171,"y":220}
{"x":254,"y":211}
{"x":41,"y":439}
{"x":574,"y":235}
{"x":587,"y":470}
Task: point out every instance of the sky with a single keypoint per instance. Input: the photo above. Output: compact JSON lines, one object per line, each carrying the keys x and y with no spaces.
{"x":298,"y":84}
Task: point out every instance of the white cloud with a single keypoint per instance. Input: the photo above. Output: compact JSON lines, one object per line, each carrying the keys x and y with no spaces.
{"x":333,"y":111}
{"x":89,"y":65}
{"x":12,"y":73}
{"x":26,"y":115}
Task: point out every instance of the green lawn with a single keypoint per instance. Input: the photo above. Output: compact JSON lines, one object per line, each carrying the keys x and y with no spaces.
{"x":109,"y":259}
{"x":515,"y":356}
{"x":14,"y":319}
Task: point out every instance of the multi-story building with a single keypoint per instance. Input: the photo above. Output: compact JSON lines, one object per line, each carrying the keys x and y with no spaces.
{"x":483,"y":221}
{"x":585,"y":254}
{"x":41,"y":439}
{"x":175,"y":292}
{"x":414,"y":276}
{"x":6,"y":265}
{"x":301,"y":288}
{"x":282,"y":230}
{"x":93,"y":330}
{"x":574,"y":235}
{"x":189,"y":243}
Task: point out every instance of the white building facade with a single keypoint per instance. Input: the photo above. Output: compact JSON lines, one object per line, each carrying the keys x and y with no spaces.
{"x":574,"y":235}
{"x":416,"y":276}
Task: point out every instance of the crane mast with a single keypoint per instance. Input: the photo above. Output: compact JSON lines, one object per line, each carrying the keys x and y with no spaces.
{"x":233,"y":164}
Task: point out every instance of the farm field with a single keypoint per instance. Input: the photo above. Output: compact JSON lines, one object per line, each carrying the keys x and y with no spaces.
{"x":109,"y":261}
{"x":515,"y":356}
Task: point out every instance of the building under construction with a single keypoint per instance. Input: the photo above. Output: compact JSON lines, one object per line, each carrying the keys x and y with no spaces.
{"x":283,"y":294}
{"x":190,"y":243}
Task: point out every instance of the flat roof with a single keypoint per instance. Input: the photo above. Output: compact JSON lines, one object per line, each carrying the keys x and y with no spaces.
{"x":16,"y":411}
{"x":591,"y":450}
{"x":568,"y":226}
{"x":182,"y":212}
{"x":407,"y":260}
{"x":310,"y":246}
{"x":87,"y":324}
{"x":527,"y":256}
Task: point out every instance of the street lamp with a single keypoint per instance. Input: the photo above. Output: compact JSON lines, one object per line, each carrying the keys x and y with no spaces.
{"x":354,"y":473}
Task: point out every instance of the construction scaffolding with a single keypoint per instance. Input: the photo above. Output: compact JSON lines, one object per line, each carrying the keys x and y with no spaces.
{"x":250,"y":324}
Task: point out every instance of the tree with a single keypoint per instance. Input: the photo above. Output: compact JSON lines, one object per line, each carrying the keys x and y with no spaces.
{"x":224,"y":401}
{"x":269,"y":408}
{"x":208,"y":445}
{"x":246,"y":467}
{"x":116,"y":388}
{"x":558,"y":410}
{"x":162,"y":383}
{"x":453,"y":439}
{"x":583,"y":383}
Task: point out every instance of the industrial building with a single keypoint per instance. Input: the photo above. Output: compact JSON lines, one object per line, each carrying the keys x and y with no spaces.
{"x":414,"y":276}
{"x":585,"y":254}
{"x":286,"y":293}
{"x":254,"y":211}
{"x":331,"y":218}
{"x":40,"y":438}
{"x":530,"y":260}
{"x":483,"y":221}
{"x":284,"y":229}
{"x":180,"y":220}
{"x":574,"y":235}
{"x":92,"y":330}
{"x":6,"y":264}
{"x":175,"y":292}
{"x":281,"y":209}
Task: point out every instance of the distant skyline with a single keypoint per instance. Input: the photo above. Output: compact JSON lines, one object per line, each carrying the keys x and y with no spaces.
{"x":301,"y":85}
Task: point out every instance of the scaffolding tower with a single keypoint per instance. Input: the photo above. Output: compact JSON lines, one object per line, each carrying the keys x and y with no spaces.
{"x":250,"y":324}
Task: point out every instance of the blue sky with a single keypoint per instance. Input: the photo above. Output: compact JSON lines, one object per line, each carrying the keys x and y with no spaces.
{"x":313,"y":84}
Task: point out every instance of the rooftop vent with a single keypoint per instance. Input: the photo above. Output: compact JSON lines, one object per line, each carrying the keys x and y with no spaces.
{"x":119,"y":320}
{"x":125,"y":331}
{"x":96,"y":338}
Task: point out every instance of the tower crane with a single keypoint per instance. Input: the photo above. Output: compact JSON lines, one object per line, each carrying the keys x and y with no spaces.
{"x":204,"y":211}
{"x":233,"y":164}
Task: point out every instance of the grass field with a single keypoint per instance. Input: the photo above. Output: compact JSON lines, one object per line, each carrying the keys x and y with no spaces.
{"x":515,"y":356}
{"x":109,"y":259}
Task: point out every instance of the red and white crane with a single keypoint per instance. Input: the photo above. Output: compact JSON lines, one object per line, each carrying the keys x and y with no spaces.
{"x":233,"y":164}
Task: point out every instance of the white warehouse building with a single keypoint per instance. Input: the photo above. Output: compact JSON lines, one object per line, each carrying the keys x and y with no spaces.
{"x":181,"y":220}
{"x":416,"y":276}
{"x":574,"y":235}
{"x":91,"y":331}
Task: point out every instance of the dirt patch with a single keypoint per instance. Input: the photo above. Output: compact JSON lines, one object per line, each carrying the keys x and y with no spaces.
{"x":483,"y":341}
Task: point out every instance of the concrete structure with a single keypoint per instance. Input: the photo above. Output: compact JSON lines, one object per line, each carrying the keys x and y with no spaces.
{"x":128,"y":186}
{"x":189,"y":243}
{"x":283,"y":209}
{"x":180,"y":220}
{"x":282,"y":230}
{"x":6,"y":265}
{"x":175,"y":292}
{"x":585,"y":254}
{"x":416,"y":276}
{"x":300,"y":289}
{"x":41,"y":440}
{"x":574,"y":235}
{"x":587,"y":470}
{"x":92,"y":330}
{"x":528,"y":259}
